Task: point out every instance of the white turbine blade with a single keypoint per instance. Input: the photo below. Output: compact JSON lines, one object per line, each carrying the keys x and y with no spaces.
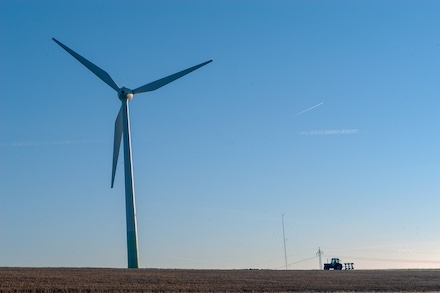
{"x":166,"y":80}
{"x":104,"y":76}
{"x":117,"y":143}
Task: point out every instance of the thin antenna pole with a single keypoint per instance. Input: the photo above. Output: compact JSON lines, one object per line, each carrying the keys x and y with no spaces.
{"x":284,"y":239}
{"x":319,"y":253}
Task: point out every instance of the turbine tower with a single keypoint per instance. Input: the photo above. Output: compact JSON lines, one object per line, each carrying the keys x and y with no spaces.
{"x":122,"y":131}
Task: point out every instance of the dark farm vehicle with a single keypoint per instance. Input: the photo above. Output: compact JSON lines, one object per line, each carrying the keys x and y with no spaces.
{"x":337,"y":266}
{"x":334,"y":264}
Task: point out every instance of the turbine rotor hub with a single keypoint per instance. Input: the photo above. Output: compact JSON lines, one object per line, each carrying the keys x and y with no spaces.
{"x":125,"y":94}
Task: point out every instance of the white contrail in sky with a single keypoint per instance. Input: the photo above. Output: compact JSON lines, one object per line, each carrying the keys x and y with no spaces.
{"x":60,"y":142}
{"x":330,"y":132}
{"x":309,"y":109}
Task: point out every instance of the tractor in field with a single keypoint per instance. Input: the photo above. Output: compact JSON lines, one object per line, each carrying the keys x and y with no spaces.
{"x":336,"y":265}
{"x":333,"y":265}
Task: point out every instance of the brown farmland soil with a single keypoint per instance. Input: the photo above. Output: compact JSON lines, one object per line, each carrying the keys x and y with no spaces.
{"x":165,"y":280}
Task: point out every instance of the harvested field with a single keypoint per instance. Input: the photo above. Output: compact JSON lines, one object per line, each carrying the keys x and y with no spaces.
{"x":160,"y":280}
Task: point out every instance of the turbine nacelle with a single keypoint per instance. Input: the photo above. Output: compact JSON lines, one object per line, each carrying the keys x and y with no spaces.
{"x":125,"y":94}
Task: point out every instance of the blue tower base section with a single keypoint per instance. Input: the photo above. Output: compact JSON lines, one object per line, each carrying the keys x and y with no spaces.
{"x":132,"y":250}
{"x":130,"y":202}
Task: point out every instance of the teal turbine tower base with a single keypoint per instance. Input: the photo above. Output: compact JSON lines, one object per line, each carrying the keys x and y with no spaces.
{"x":122,"y":131}
{"x":130,"y":201}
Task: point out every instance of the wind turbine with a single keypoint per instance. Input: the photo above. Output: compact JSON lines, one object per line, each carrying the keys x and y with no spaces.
{"x":122,"y":129}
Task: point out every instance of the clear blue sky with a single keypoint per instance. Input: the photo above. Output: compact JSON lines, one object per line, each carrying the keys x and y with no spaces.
{"x":222,"y":153}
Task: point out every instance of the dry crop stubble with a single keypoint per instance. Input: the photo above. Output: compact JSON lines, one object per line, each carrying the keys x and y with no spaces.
{"x":166,"y":280}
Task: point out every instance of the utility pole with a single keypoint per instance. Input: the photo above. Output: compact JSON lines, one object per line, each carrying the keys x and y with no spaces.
{"x":284,"y":239}
{"x":319,"y":253}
